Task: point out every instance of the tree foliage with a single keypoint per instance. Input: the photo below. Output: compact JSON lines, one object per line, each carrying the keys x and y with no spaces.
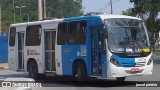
{"x":54,"y":9}
{"x":128,"y":12}
{"x":148,"y":10}
{"x":64,"y":8}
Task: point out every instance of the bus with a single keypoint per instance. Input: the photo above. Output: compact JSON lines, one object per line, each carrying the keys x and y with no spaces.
{"x":92,"y":45}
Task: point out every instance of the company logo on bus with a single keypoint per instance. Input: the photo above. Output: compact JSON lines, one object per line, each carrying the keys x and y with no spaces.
{"x":28,"y":52}
{"x":32,"y":52}
{"x":58,"y":64}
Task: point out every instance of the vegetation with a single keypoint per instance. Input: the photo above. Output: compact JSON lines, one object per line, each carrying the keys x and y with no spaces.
{"x":54,"y":9}
{"x":128,"y":12}
{"x":156,"y":53}
{"x":148,"y":11}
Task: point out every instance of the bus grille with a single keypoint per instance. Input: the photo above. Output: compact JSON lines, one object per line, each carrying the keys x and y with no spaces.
{"x":139,"y":64}
{"x":128,"y":64}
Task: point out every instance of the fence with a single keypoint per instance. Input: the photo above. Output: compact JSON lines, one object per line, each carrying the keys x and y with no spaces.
{"x":3,"y":48}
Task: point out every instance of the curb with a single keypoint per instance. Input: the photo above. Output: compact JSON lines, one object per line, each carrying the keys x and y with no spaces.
{"x":4,"y":66}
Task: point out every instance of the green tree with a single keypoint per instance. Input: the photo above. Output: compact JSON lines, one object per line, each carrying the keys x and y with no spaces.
{"x":64,"y":8}
{"x":54,"y":8}
{"x":149,"y":8}
{"x":128,"y":12}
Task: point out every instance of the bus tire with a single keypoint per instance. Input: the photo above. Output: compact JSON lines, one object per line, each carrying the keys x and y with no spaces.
{"x":81,"y":72}
{"x":120,"y":78}
{"x":33,"y":70}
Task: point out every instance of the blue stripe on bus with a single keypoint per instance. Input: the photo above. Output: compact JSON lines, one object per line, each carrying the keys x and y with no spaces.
{"x":81,"y":18}
{"x":125,"y":62}
{"x":69,"y":54}
{"x":104,"y":67}
{"x":68,"y":58}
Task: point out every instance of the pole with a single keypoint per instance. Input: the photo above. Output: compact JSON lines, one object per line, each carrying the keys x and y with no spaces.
{"x":28,"y":17}
{"x":40,"y":9}
{"x":20,"y":11}
{"x":0,"y":20}
{"x":111,"y":7}
{"x":14,"y":12}
{"x":44,"y":8}
{"x":20,"y":14}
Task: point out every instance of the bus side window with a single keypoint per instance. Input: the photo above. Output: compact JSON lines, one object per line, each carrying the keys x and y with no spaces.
{"x":77,"y":32}
{"x":33,"y":35}
{"x":62,"y":29}
{"x":12,"y":36}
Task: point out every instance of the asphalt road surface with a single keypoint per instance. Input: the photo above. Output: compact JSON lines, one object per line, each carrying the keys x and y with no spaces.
{"x":66,"y":83}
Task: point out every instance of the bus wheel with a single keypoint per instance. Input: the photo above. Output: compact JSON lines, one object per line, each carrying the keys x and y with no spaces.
{"x":81,"y":72}
{"x":33,"y":70}
{"x":120,"y":78}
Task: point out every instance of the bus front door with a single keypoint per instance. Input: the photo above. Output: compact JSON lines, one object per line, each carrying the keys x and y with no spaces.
{"x":96,"y":50}
{"x":50,"y":36}
{"x":20,"y":50}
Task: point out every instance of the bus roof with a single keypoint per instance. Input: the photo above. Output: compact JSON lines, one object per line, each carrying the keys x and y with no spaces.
{"x":81,"y":18}
{"x":36,"y":22}
{"x":109,"y":16}
{"x":101,"y":16}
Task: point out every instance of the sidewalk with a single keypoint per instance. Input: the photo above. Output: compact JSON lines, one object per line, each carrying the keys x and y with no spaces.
{"x":3,"y":66}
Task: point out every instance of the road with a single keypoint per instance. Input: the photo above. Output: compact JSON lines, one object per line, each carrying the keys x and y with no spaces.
{"x":65,"y":83}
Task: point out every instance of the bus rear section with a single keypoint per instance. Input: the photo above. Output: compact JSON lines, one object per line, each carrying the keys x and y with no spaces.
{"x":16,"y":49}
{"x":32,"y":47}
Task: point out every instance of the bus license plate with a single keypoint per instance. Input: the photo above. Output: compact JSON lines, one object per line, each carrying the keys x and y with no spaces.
{"x":135,"y":70}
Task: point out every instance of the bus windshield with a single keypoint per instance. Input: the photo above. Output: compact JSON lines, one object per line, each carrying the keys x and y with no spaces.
{"x":126,"y":36}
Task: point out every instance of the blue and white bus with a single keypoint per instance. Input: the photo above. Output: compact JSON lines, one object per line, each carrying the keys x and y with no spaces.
{"x":101,"y":45}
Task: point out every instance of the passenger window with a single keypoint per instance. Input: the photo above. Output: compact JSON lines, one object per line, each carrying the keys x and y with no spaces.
{"x":62,"y":29}
{"x":77,"y":32}
{"x":33,"y":35}
{"x":12,"y":36}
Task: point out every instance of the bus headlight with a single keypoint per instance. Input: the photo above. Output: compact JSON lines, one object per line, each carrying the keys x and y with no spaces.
{"x":115,"y":62}
{"x":149,"y":61}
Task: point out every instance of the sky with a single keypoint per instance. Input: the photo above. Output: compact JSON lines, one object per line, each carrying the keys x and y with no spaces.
{"x":103,"y":5}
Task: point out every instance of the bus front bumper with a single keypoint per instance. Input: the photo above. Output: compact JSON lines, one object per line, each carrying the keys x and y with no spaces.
{"x":114,"y":71}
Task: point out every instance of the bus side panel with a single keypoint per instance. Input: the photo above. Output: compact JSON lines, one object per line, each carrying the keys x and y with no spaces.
{"x":71,"y":53}
{"x":58,"y":59}
{"x":88,"y":45}
{"x":12,"y":56}
{"x":12,"y":60}
{"x":33,"y":52}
